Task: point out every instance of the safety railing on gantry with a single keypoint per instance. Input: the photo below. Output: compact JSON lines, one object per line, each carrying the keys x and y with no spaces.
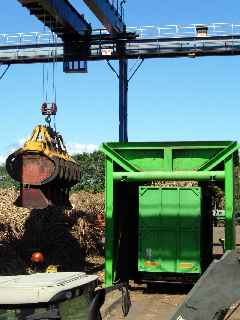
{"x":151,"y":41}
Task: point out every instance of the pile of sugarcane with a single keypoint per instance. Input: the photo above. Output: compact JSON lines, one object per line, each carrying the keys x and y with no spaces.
{"x":12,"y":219}
{"x":88,"y":220}
{"x":174,"y":184}
{"x":64,"y":237}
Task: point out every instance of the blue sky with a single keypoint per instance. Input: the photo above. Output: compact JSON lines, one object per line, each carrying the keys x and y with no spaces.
{"x":169,"y":99}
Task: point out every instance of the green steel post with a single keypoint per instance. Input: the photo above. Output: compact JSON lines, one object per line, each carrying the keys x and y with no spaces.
{"x":168,"y":163}
{"x":169,"y":175}
{"x":229,"y":204}
{"x":109,"y":222}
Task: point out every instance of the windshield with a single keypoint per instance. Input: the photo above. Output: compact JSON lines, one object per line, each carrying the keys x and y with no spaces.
{"x":8,"y":314}
{"x":76,"y":307}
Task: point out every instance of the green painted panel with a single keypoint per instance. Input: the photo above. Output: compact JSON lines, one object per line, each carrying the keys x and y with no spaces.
{"x":169,"y":229}
{"x":189,"y":208}
{"x":189,"y":235}
{"x":145,"y":159}
{"x":192,"y":159}
{"x":157,"y":257}
{"x":182,"y":159}
{"x":157,"y":207}
{"x":189,"y":251}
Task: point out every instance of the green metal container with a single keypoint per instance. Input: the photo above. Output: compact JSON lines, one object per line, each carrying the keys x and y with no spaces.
{"x":169,"y":230}
{"x":157,"y":231}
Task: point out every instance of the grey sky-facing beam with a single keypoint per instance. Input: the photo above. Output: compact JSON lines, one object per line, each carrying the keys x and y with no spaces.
{"x":107,"y":14}
{"x":60,"y":16}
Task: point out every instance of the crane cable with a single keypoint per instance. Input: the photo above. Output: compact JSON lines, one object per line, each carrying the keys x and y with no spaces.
{"x":48,"y":75}
{"x":5,"y":71}
{"x":45,"y":70}
{"x":44,"y":93}
{"x":54,"y":89}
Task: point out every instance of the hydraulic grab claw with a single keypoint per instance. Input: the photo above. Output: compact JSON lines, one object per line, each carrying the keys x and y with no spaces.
{"x":44,"y":169}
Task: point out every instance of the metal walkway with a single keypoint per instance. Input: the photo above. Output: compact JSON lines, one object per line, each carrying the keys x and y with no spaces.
{"x":151,"y":42}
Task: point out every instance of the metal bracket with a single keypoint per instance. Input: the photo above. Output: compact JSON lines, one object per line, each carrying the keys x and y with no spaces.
{"x":75,"y":66}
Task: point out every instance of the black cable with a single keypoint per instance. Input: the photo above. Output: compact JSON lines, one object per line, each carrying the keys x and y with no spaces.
{"x":43,"y":81}
{"x":4,"y":72}
{"x":54,"y":37}
{"x":112,"y":68}
{"x":43,"y":68}
{"x":139,"y":65}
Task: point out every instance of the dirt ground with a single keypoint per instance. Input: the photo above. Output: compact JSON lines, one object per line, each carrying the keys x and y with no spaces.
{"x":157,"y":302}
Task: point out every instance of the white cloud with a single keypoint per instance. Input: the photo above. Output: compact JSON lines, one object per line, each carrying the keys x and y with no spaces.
{"x":21,"y":141}
{"x":74,"y":148}
{"x":2,"y":159}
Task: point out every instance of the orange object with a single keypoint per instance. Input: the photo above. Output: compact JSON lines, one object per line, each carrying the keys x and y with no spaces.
{"x":37,"y":257}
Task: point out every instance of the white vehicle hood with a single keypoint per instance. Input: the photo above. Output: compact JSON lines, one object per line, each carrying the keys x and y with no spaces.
{"x":39,"y":287}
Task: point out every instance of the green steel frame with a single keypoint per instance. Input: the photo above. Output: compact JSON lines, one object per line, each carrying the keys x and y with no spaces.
{"x":142,"y":161}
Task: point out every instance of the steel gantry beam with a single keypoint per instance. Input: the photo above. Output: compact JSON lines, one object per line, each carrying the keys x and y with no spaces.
{"x":108,"y":14}
{"x":60,"y":16}
{"x":38,"y":47}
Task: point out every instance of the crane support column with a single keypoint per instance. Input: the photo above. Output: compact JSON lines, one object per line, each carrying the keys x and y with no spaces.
{"x":123,"y":100}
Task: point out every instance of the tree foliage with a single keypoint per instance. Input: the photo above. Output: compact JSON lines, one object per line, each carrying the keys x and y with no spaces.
{"x":92,"y":171}
{"x":5,"y":180}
